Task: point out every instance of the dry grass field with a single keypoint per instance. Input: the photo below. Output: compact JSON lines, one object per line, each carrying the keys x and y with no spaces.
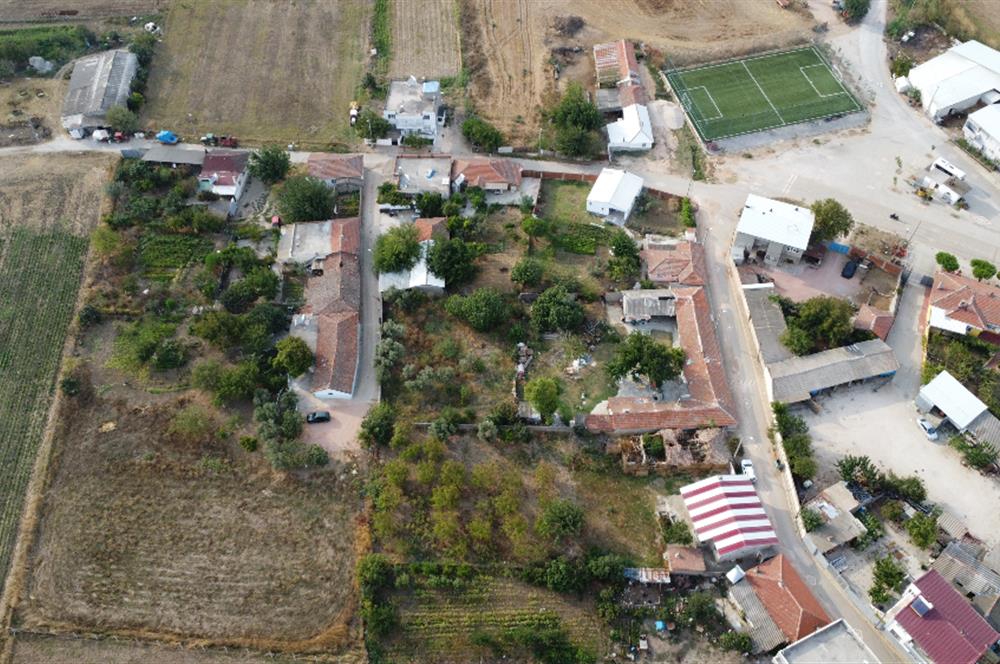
{"x":145,"y":536}
{"x":507,"y":44}
{"x":425,"y":39}
{"x":46,"y":10}
{"x":261,"y":70}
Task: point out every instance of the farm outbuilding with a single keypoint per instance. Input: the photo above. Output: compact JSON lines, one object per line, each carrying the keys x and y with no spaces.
{"x":614,"y":194}
{"x":633,"y":131}
{"x":727,"y":513}
{"x":98,"y":82}
{"x":958,"y":79}
{"x":800,"y":378}
{"x":982,"y":131}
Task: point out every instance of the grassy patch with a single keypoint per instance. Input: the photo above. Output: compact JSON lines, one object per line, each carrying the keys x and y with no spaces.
{"x":565,"y":202}
{"x":965,"y":358}
{"x":163,"y":255}
{"x":656,"y":216}
{"x":58,"y":44}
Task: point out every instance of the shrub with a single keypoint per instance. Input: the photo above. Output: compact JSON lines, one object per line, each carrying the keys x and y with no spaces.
{"x":979,"y":456}
{"x":736,"y":642}
{"x":560,"y":519}
{"x":640,"y":354}
{"x":484,"y":309}
{"x":901,"y":64}
{"x":249,"y":443}
{"x":543,"y":393}
{"x":453,"y":260}
{"x":922,"y":529}
{"x":700,"y":610}
{"x":120,"y":118}
{"x":293,"y":356}
{"x":371,"y":125}
{"x":982,"y":269}
{"x":947,"y":261}
{"x":624,"y":263}
{"x":70,"y":386}
{"x":677,"y":532}
{"x":856,"y":9}
{"x":686,"y":213}
{"x":811,"y":519}
{"x":305,"y":199}
{"x":527,"y":272}
{"x":192,"y":424}
{"x":270,"y":163}
{"x":482,"y":134}
{"x":555,"y":309}
{"x":429,"y":204}
{"x":397,"y":250}
{"x":377,"y":426}
{"x":818,"y":324}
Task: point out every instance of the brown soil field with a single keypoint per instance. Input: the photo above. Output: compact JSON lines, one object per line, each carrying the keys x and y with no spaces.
{"x":425,"y":39}
{"x":144,"y":536}
{"x":261,"y":70}
{"x":27,"y":98}
{"x":49,"y":191}
{"x":973,"y":19}
{"x":63,"y":10}
{"x":507,"y":44}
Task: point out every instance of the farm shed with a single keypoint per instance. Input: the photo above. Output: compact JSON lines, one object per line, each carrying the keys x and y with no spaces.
{"x":175,"y":156}
{"x":640,"y":306}
{"x":802,"y":377}
{"x":772,"y":231}
{"x":728,"y":515}
{"x":633,"y":131}
{"x":344,"y":172}
{"x":836,"y":505}
{"x":958,"y":79}
{"x":615,"y":62}
{"x":982,"y":131}
{"x":961,"y":407}
{"x":98,"y":82}
{"x":614,"y":194}
{"x":938,"y":623}
{"x":837,"y":643}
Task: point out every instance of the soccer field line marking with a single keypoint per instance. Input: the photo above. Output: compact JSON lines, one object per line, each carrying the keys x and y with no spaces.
{"x":725,"y":63}
{"x":705,"y":118}
{"x":818,"y":93}
{"x":766,"y":98}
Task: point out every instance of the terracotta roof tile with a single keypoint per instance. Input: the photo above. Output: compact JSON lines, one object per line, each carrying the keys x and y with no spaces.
{"x":682,"y":263}
{"x":431,"y":227}
{"x":226,"y":166}
{"x":336,"y":351}
{"x":966,"y":300}
{"x":481,"y":172}
{"x":335,"y":166}
{"x":787,"y":599}
{"x":631,"y":93}
{"x":338,"y":289}
{"x":615,"y":59}
{"x":345,"y":235}
{"x":874,"y":320}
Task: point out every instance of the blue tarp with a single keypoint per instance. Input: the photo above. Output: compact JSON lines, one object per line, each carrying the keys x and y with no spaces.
{"x":839,"y":248}
{"x":168,"y":137}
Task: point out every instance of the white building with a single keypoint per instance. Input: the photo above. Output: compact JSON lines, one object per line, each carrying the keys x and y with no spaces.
{"x":411,"y":106}
{"x":633,"y":131}
{"x":613,"y":195}
{"x":958,"y":79}
{"x":772,"y":231}
{"x":949,"y":396}
{"x":982,"y":131}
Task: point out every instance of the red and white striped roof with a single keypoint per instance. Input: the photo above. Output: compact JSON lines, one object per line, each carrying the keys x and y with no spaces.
{"x":726,"y":511}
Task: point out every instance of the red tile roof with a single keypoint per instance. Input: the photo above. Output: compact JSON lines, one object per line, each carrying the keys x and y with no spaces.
{"x":615,"y":59}
{"x":431,"y":227}
{"x":338,"y":289}
{"x":966,"y":300}
{"x":951,"y":632}
{"x":345,"y":235}
{"x":336,"y":351}
{"x":335,"y":166}
{"x":225,"y":166}
{"x":481,"y":172}
{"x":631,"y":93}
{"x":684,"y":559}
{"x":682,"y":263}
{"x":874,"y":320}
{"x":787,"y":599}
{"x":710,"y":403}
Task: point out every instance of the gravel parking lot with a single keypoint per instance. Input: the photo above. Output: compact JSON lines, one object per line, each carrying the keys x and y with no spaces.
{"x":882,"y":425}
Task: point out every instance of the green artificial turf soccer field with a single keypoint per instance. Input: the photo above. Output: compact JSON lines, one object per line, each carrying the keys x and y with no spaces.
{"x":762,"y":92}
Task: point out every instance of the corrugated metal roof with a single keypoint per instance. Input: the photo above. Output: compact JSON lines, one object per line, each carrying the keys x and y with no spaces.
{"x":953,"y":399}
{"x":99,"y":82}
{"x":776,"y":221}
{"x":796,"y":378}
{"x":768,"y":323}
{"x":763,"y":631}
{"x":961,"y":568}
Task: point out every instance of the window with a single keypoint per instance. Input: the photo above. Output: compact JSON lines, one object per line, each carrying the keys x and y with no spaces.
{"x":392,"y":116}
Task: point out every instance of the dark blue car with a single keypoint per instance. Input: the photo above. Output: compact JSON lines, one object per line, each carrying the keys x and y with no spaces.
{"x":849,"y":269}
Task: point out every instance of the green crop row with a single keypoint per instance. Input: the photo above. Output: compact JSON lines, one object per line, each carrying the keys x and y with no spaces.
{"x":580,"y":238}
{"x":39,"y":280}
{"x":382,"y":34}
{"x":163,"y":255}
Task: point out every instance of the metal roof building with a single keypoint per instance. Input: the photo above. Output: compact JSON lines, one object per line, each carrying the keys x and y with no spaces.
{"x":958,"y":79}
{"x":175,"y":156}
{"x":835,"y":504}
{"x":613,"y":194}
{"x":727,"y":513}
{"x":799,"y":378}
{"x":837,"y":643}
{"x":99,"y":82}
{"x":968,"y":574}
{"x":952,"y":398}
{"x":775,"y":221}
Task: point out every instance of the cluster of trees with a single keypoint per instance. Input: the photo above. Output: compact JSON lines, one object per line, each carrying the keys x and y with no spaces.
{"x":397,"y":249}
{"x":304,"y":198}
{"x":981,"y":269}
{"x":576,"y":120}
{"x":978,"y":455}
{"x":484,"y":310}
{"x":482,"y":134}
{"x":861,"y":471}
{"x":818,"y":324}
{"x":796,"y":440}
{"x":623,"y":266}
{"x":556,"y":309}
{"x":888,"y":577}
{"x":270,"y":164}
{"x":279,"y":424}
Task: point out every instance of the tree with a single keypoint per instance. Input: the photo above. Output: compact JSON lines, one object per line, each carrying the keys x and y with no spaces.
{"x":453,"y":260}
{"x":294,"y":356}
{"x":143,"y":46}
{"x":573,"y":141}
{"x":527,"y":272}
{"x":832,"y":220}
{"x":378,"y":425}
{"x":640,"y":354}
{"x":947,"y":261}
{"x":560,"y":519}
{"x":397,"y":250}
{"x":429,"y":204}
{"x":922,"y":529}
{"x":270,"y":163}
{"x":624,"y":262}
{"x":982,"y":269}
{"x":556,"y":310}
{"x":484,"y":310}
{"x":889,"y":573}
{"x":481,"y":133}
{"x":303,"y":198}
{"x":736,"y":642}
{"x":575,"y":110}
{"x":861,"y":470}
{"x":819,"y":323}
{"x":121,"y":119}
{"x":700,"y":609}
{"x":856,"y":9}
{"x":543,"y":393}
{"x":372,"y":126}
{"x":811,"y":519}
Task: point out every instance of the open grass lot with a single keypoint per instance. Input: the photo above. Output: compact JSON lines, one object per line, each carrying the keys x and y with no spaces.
{"x":425,"y":39}
{"x":758,"y":93}
{"x":47,"y":207}
{"x":47,"y":10}
{"x":264,"y":71}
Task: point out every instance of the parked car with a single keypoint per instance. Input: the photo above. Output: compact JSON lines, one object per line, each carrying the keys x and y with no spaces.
{"x":318,"y":416}
{"x":929,"y":429}
{"x":850,"y":267}
{"x":746,"y":467}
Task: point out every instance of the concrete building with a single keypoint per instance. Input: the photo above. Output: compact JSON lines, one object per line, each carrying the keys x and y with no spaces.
{"x":98,"y":82}
{"x":837,"y":643}
{"x":614,"y":194}
{"x":491,"y":175}
{"x":958,"y":79}
{"x":771,"y":231}
{"x":982,"y":131}
{"x":411,"y":107}
{"x":420,"y":174}
{"x":633,"y":132}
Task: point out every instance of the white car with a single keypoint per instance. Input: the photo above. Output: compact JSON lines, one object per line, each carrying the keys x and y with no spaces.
{"x":928,"y":429}
{"x":746,"y":467}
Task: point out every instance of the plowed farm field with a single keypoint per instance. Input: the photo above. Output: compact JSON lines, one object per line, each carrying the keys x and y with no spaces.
{"x":507,"y":45}
{"x":425,"y":39}
{"x":47,"y":10}
{"x":264,"y":71}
